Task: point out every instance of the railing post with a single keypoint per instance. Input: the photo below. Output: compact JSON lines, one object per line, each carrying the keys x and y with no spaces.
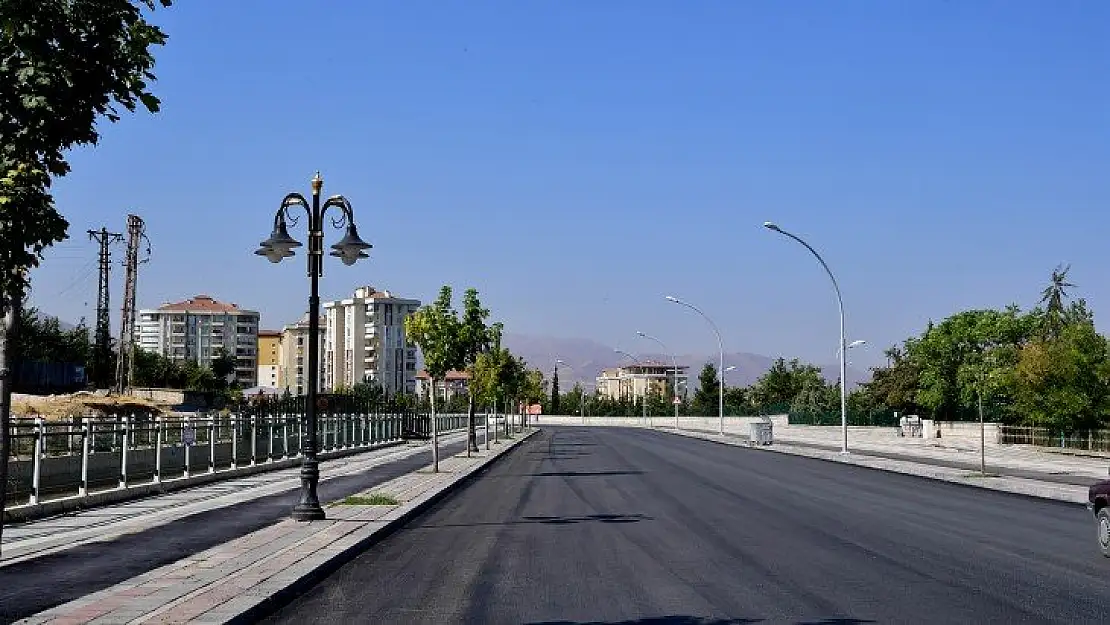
{"x":254,"y":438}
{"x":211,"y":443}
{"x":36,"y":471}
{"x":234,"y":441}
{"x":123,"y":439}
{"x":284,"y":435}
{"x":86,"y":434}
{"x":157,"y":449}
{"x":184,"y":426}
{"x":270,"y":442}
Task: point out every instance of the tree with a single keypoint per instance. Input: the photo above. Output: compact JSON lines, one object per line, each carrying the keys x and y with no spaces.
{"x":555,"y":391}
{"x":474,"y":338}
{"x":782,"y":383}
{"x":436,"y":329}
{"x":1053,"y":297}
{"x":223,"y":366}
{"x":706,"y":395}
{"x":64,"y":65}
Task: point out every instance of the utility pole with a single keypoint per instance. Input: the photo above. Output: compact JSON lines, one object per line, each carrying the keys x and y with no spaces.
{"x":125,"y":363}
{"x":102,"y":347}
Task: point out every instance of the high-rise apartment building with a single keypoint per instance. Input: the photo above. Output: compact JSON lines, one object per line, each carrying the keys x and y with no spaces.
{"x":269,"y":358}
{"x":294,"y":357}
{"x":365,"y":342}
{"x":198,"y":328}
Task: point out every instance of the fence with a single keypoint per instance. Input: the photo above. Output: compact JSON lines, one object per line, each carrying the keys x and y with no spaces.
{"x":52,"y":459}
{"x":1094,"y":440}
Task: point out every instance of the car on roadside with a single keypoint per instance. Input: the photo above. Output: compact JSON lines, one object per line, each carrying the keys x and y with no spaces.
{"x":1098,"y":502}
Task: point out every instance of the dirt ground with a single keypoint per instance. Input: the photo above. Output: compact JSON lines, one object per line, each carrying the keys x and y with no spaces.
{"x":54,"y":407}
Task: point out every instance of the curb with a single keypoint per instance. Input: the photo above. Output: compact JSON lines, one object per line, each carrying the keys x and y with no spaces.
{"x":939,"y":478}
{"x":403,"y":514}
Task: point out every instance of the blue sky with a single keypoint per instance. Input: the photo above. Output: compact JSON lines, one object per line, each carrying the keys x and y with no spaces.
{"x":576,"y":161}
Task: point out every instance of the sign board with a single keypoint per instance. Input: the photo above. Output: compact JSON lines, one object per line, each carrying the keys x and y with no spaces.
{"x":677,"y":401}
{"x":188,"y":436}
{"x":535,"y":409}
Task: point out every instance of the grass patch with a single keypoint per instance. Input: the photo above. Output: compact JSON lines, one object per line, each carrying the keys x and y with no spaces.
{"x":375,"y":499}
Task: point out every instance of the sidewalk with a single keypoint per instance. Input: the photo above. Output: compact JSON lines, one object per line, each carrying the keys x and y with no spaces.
{"x":74,"y":556}
{"x":241,"y":580}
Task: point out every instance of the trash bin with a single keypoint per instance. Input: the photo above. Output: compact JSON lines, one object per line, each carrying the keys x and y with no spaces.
{"x":761,"y":433}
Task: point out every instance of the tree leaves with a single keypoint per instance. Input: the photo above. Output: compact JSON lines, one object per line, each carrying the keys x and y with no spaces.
{"x":63,"y":64}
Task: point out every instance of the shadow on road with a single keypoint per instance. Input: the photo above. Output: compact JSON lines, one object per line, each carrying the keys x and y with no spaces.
{"x":550,"y":520}
{"x":580,"y":473}
{"x":661,"y":620}
{"x":697,"y":620}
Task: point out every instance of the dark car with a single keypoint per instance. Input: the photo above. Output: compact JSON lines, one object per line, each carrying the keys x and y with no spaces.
{"x":1098,"y":502}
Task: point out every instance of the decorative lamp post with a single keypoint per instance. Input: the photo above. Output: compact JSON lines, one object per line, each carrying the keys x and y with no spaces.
{"x":350,"y":249}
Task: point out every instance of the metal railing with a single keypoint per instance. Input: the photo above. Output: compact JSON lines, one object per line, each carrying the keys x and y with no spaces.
{"x":1093,"y":440}
{"x":54,"y":459}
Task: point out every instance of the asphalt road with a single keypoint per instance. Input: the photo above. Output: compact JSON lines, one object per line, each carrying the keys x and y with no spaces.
{"x":32,"y":586}
{"x":608,"y":525}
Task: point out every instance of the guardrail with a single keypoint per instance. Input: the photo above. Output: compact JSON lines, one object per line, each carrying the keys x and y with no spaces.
{"x":52,"y":459}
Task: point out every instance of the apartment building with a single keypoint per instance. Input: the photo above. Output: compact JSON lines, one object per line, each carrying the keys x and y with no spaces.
{"x":365,"y":342}
{"x":293,"y":376}
{"x":637,"y":380}
{"x":269,"y":358}
{"x":198,"y":328}
{"x":455,"y":384}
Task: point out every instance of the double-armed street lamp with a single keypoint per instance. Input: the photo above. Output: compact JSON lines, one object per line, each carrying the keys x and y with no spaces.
{"x":843,"y":346}
{"x":674,"y":362}
{"x":721,"y":369}
{"x":350,"y":249}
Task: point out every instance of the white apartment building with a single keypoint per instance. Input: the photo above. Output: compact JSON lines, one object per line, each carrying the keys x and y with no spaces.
{"x":197,"y":328}
{"x":293,"y":375}
{"x":635,"y":381}
{"x":364,"y":341}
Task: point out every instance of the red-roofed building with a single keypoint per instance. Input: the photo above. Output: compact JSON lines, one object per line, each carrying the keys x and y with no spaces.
{"x":454,"y":386}
{"x":197,"y":328}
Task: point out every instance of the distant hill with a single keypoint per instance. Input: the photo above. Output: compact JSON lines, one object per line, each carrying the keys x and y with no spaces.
{"x":587,"y":358}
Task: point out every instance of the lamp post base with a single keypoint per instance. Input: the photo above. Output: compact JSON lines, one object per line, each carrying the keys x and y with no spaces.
{"x":308,"y":512}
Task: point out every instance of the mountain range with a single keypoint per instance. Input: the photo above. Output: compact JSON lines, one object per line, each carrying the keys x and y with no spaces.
{"x":586,"y":358}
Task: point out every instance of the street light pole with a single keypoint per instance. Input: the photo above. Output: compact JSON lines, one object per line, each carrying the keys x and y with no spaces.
{"x":843,"y":351}
{"x":350,"y":249}
{"x":721,"y":368}
{"x":674,"y":363}
{"x":643,"y":402}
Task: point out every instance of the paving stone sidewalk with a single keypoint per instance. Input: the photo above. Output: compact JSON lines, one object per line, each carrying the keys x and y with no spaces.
{"x":45,"y":536}
{"x":243,"y":579}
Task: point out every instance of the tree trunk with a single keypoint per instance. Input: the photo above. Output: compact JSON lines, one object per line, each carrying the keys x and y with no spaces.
{"x":471,"y":429}
{"x":8,"y":327}
{"x":435,"y":432}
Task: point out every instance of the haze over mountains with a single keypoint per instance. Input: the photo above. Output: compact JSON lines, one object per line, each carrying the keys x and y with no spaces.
{"x":587,"y":357}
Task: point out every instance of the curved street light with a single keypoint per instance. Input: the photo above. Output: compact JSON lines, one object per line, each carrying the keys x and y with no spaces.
{"x":843,"y":351}
{"x":721,"y":369}
{"x":644,"y":402}
{"x":560,"y":361}
{"x":674,"y":362}
{"x":350,"y":249}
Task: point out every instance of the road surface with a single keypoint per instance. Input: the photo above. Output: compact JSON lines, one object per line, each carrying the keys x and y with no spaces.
{"x":612,"y":525}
